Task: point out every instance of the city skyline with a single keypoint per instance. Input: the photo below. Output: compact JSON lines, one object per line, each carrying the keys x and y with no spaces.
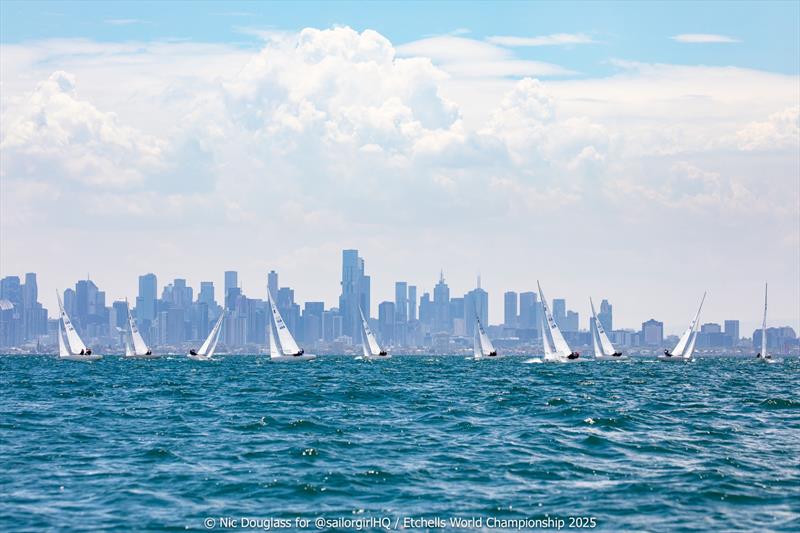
{"x":645,"y":159}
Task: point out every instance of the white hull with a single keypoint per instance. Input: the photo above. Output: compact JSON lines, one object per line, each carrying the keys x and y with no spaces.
{"x":151,"y":356}
{"x":482,"y":357}
{"x":199,"y":357}
{"x":610,"y":358}
{"x":78,"y":357}
{"x":375,"y":357}
{"x":675,"y":359}
{"x":766,"y":360}
{"x":293,"y":358}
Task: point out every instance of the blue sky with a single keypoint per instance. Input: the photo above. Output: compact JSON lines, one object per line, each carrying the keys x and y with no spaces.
{"x":635,"y":31}
{"x":607,"y":149}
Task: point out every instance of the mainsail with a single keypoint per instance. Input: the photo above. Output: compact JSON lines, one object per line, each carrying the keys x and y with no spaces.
{"x":74,"y":342}
{"x":369,"y":343}
{"x":764,"y":326}
{"x":62,"y":346}
{"x":287,"y":342}
{"x":548,"y":350}
{"x":210,"y":344}
{"x":486,"y":346}
{"x":562,"y":349}
{"x":605,"y":344}
{"x":274,"y":349}
{"x":139,"y":346}
{"x":680,"y":349}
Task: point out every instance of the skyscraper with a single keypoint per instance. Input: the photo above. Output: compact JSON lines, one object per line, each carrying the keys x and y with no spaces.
{"x":355,"y":294}
{"x":231,"y":282}
{"x":510,"y":300}
{"x":146,"y":301}
{"x":476,"y":302}
{"x":652,"y":332}
{"x":272,"y":283}
{"x":386,"y":321}
{"x":441,"y":305}
{"x":732,"y":330}
{"x":206,"y":295}
{"x":528,"y":310}
{"x":559,"y":311}
{"x":606,"y":315}
{"x":412,"y":303}
{"x":401,"y":300}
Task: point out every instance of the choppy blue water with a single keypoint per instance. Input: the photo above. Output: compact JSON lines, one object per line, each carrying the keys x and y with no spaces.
{"x":165,"y":444}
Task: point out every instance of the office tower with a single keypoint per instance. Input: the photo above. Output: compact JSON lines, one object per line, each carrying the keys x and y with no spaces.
{"x":146,"y":300}
{"x":571,"y":321}
{"x":606,"y":316}
{"x":441,"y":305}
{"x":231,"y":280}
{"x":22,"y":317}
{"x":510,"y":317}
{"x":272,"y":283}
{"x":427,"y":314}
{"x":559,"y":311}
{"x":476,"y":302}
{"x":732,"y":330}
{"x":412,"y":303}
{"x":652,"y":332}
{"x":386,"y":321}
{"x":457,"y":314}
{"x":355,"y":294}
{"x":69,"y":301}
{"x":312,"y":321}
{"x":206,"y":295}
{"x":401,"y":300}
{"x":528,"y":307}
{"x":119,"y":316}
{"x":30,"y":291}
{"x":711,"y":327}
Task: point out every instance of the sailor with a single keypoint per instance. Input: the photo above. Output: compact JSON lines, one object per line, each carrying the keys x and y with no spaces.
{"x":149,"y":352}
{"x":666,"y":352}
{"x":383,"y":352}
{"x":758,"y":355}
{"x":493,"y":354}
{"x":88,"y":351}
{"x":301,"y":352}
{"x":192,"y":352}
{"x":573,"y":355}
{"x":83,"y":352}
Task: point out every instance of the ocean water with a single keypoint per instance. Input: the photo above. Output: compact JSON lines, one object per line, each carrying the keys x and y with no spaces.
{"x":171,"y":444}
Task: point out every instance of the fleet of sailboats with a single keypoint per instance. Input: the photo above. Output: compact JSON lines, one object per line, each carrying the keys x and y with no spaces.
{"x":603,"y":349}
{"x":685,"y":348}
{"x":282,"y":346}
{"x":206,"y":351}
{"x":482,"y":345}
{"x":369,"y":344}
{"x":70,"y":345}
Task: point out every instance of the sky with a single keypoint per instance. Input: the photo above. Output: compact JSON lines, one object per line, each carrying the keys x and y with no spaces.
{"x":640,"y":152}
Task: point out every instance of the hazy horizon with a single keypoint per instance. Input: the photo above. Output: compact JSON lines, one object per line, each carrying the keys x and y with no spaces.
{"x":643,"y":159}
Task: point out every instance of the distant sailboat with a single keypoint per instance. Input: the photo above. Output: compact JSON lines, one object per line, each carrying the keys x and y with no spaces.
{"x":206,"y":351}
{"x":70,"y":346}
{"x":560,"y":351}
{"x":135,"y":346}
{"x":282,"y":345}
{"x":685,"y":348}
{"x":482,"y":345}
{"x":763,"y":355}
{"x":369,"y":344}
{"x":603,"y":349}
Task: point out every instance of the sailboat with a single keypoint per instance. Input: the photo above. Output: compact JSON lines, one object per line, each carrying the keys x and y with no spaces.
{"x":560,"y":351}
{"x":603,"y":349}
{"x":482,"y":345}
{"x":70,"y":345}
{"x":763,"y":355}
{"x":206,"y":351}
{"x":282,"y":346}
{"x":685,"y":348}
{"x":135,"y":347}
{"x":369,"y":344}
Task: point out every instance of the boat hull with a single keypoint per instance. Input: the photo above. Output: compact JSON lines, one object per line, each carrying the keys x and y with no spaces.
{"x":674,"y":359}
{"x":486,"y":357}
{"x":376,"y":357}
{"x":78,"y":357}
{"x":293,"y":358}
{"x":610,"y":358}
{"x":199,"y":357}
{"x":151,"y":356}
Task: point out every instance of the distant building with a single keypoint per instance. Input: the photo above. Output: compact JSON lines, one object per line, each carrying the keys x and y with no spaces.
{"x":387,"y":314}
{"x":529,"y":310}
{"x":559,"y":311}
{"x":606,"y":315}
{"x":412,"y":303}
{"x":401,"y":301}
{"x":571,"y":321}
{"x":510,"y":312}
{"x":355,"y":293}
{"x":441,"y":306}
{"x":146,"y":300}
{"x":732,"y":330}
{"x":476,"y":302}
{"x":652,"y":333}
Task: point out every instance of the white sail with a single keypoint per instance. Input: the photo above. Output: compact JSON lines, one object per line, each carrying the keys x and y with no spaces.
{"x":562,"y":349}
{"x":690,"y":346}
{"x":74,"y":342}
{"x":206,"y":348}
{"x":274,"y":349}
{"x":62,"y":346}
{"x":368,"y":341}
{"x":213,"y":347}
{"x":287,"y":342}
{"x":598,"y":351}
{"x":605,"y":343}
{"x":764,"y":326}
{"x":548,"y":350}
{"x":477,"y":351}
{"x":680,"y":348}
{"x":139,"y":346}
{"x":485,"y":343}
{"x":128,"y":347}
